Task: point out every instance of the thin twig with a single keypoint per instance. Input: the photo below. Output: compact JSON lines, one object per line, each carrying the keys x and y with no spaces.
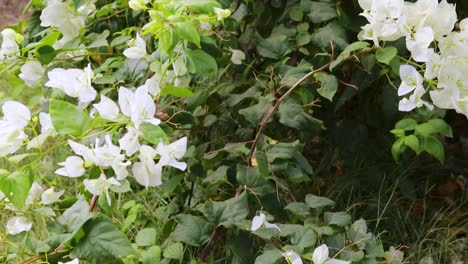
{"x":275,"y":108}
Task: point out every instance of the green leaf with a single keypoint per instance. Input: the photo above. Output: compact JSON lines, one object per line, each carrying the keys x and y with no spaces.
{"x":412,"y":142}
{"x":219,"y":176}
{"x":332,"y":32}
{"x":16,"y":186}
{"x":425,"y":129}
{"x":274,"y":47}
{"x":433,"y":146}
{"x":146,"y":237}
{"x":68,"y":118}
{"x":297,"y":208}
{"x":102,"y":242}
{"x":398,"y":148}
{"x":167,"y":40}
{"x":292,"y":115}
{"x":250,"y":177}
{"x":202,"y":6}
{"x":153,"y":134}
{"x":200,"y":62}
{"x":176,"y":91}
{"x":398,"y":132}
{"x":255,"y":113}
{"x":329,"y":85}
{"x":440,"y":126}
{"x":321,"y":12}
{"x":271,"y":256}
{"x":231,"y":212}
{"x":151,"y":256}
{"x":359,"y":45}
{"x":174,"y":251}
{"x":48,"y":40}
{"x":386,"y":55}
{"x":406,"y":124}
{"x":340,"y":218}
{"x":315,"y":202}
{"x":192,"y":230}
{"x":296,"y":13}
{"x":70,"y":223}
{"x":187,"y":31}
{"x":45,"y":54}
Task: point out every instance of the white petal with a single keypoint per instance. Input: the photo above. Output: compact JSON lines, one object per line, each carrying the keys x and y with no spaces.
{"x":107,"y":108}
{"x":17,"y":225}
{"x":257,"y":222}
{"x":320,"y":254}
{"x":16,"y":113}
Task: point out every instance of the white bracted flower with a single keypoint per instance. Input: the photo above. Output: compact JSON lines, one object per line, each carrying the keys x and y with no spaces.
{"x":50,"y":196}
{"x":259,"y":221}
{"x":31,"y":72}
{"x":292,"y":257}
{"x":137,"y":49}
{"x":17,"y":225}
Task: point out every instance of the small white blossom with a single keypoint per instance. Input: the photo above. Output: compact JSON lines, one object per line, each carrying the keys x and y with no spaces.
{"x":49,"y":196}
{"x":9,"y":50}
{"x":17,"y":225}
{"x":259,"y":221}
{"x":72,"y":167}
{"x":137,"y":49}
{"x":320,"y":254}
{"x":107,"y":108}
{"x":237,"y":56}
{"x":74,"y":82}
{"x":138,"y":105}
{"x":169,"y":154}
{"x":129,"y":142}
{"x":31,"y":72}
{"x":73,"y":261}
{"x":292,"y":257}
{"x":100,"y":186}
{"x":221,"y":13}
{"x":179,"y":67}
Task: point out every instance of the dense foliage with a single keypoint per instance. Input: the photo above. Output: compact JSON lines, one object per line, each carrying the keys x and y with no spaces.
{"x":187,"y":131}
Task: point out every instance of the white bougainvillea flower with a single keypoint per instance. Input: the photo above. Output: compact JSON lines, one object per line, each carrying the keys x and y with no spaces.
{"x":138,"y":105}
{"x":442,"y":19}
{"x":146,"y":172}
{"x":16,"y":113}
{"x":221,"y":13}
{"x":179,"y":67}
{"x":410,"y":79}
{"x":100,"y":185}
{"x":46,"y":122}
{"x":292,"y":257}
{"x":419,"y":44}
{"x":129,"y":142}
{"x":73,"y":261}
{"x":56,"y":14}
{"x":47,"y":129}
{"x":107,"y":108}
{"x":73,"y":82}
{"x":137,"y":49}
{"x":11,"y":138}
{"x":31,"y":72}
{"x":237,"y":56}
{"x":34,"y":193}
{"x":17,"y":225}
{"x":259,"y":221}
{"x":169,"y":154}
{"x":49,"y":196}
{"x":16,"y":117}
{"x":320,"y":254}
{"x":10,"y":49}
{"x":72,"y":167}
{"x":153,"y":85}
{"x":137,"y":4}
{"x":414,"y":101}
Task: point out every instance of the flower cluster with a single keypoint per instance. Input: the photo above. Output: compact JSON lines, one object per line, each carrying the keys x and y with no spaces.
{"x":442,"y":53}
{"x":16,"y":117}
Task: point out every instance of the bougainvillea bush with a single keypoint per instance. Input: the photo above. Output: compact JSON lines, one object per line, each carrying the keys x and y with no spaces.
{"x":191,"y":131}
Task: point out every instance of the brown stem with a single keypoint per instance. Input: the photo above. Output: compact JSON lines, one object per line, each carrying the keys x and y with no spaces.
{"x":268,"y":115}
{"x":275,"y":108}
{"x":211,"y":243}
{"x":93,"y":202}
